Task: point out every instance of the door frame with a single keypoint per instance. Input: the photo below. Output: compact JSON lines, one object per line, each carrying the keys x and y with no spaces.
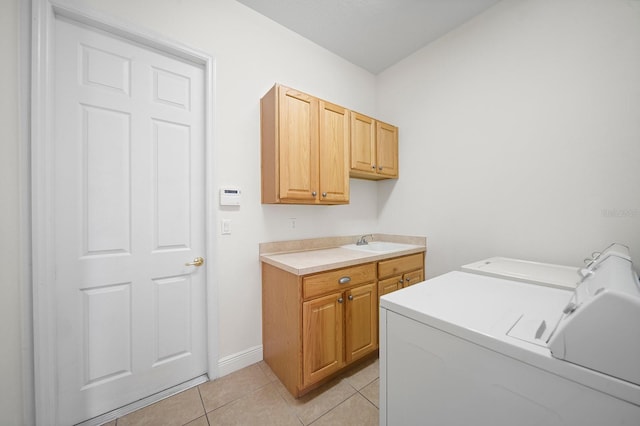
{"x":44,"y":16}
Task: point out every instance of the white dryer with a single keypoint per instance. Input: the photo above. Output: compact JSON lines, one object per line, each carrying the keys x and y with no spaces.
{"x":471,"y":349}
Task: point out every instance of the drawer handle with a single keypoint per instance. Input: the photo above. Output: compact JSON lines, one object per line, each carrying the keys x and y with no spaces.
{"x":344,"y":280}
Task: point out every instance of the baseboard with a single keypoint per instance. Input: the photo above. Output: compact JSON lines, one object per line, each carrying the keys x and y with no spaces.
{"x":239,"y":360}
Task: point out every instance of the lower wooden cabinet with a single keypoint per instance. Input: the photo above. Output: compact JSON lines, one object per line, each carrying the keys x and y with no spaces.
{"x":337,"y":330}
{"x":399,"y":272}
{"x":361,"y":321}
{"x":413,"y":277}
{"x":322,"y":337}
{"x":389,"y":285}
{"x":313,"y":326}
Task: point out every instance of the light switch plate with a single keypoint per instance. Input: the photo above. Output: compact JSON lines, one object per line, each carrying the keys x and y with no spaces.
{"x":226,"y":227}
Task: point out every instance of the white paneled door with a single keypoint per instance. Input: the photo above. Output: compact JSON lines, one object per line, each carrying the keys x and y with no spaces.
{"x":129,"y":215}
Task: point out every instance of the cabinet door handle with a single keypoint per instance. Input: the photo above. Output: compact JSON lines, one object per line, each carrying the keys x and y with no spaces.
{"x":350,"y":297}
{"x":408,"y":279}
{"x":340,"y":300}
{"x":380,"y":168}
{"x":324,"y":194}
{"x":344,"y":280}
{"x":314,"y":193}
{"x":373,"y":166}
{"x":401,"y":281}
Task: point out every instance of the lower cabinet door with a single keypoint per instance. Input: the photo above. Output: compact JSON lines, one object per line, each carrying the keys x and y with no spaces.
{"x":411,"y":278}
{"x":361,"y":321}
{"x":389,"y":285}
{"x":322,"y":337}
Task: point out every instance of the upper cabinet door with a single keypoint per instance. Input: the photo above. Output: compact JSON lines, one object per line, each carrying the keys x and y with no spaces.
{"x":305,"y":149}
{"x":387,"y":150}
{"x":374,"y":148}
{"x":363,"y":144}
{"x":310,"y":148}
{"x":298,"y":149}
{"x":334,"y":153}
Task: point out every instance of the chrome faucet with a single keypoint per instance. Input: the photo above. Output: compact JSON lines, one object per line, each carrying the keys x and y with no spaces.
{"x":362,"y":240}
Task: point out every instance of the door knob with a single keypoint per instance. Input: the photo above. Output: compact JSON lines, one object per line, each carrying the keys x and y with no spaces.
{"x":198,"y":261}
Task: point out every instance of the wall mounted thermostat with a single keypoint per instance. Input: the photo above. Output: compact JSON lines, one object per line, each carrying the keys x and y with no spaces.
{"x":230,"y":196}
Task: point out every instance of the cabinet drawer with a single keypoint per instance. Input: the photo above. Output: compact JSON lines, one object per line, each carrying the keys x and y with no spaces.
{"x":399,"y":265}
{"x":316,"y":285}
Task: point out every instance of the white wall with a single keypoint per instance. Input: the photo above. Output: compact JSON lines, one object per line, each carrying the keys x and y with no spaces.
{"x":252,"y":53}
{"x":520,"y":134}
{"x":11,"y":361}
{"x":517,"y":132}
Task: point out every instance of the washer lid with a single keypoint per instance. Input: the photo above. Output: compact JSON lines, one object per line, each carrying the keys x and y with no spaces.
{"x":527,"y":271}
{"x":466,"y":304}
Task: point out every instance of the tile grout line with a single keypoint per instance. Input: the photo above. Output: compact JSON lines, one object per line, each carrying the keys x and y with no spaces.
{"x":368,"y":400}
{"x":336,"y":406}
{"x":355,"y":391}
{"x":290,"y":408}
{"x":203,"y":407}
{"x":244,"y":395}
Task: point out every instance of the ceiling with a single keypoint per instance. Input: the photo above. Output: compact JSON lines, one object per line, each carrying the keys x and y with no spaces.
{"x":373,"y":34}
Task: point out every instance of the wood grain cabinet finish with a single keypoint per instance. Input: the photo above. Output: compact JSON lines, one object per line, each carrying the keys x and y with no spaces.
{"x":389,"y":285}
{"x":400,"y":272}
{"x":305,"y":149}
{"x":386,"y":150}
{"x":311,"y":147}
{"x":361,"y":321}
{"x":315,"y":325}
{"x":374,"y":148}
{"x":322,"y":337}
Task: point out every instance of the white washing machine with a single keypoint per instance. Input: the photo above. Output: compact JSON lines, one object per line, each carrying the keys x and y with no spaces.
{"x":475,"y":349}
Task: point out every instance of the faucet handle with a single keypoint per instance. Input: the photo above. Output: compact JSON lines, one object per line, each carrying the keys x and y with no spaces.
{"x":363,"y":240}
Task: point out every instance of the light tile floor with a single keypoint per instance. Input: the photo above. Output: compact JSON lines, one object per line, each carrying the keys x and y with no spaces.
{"x":255,"y":396}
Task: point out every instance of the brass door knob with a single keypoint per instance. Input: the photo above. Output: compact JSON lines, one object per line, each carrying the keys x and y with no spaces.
{"x":198,"y":261}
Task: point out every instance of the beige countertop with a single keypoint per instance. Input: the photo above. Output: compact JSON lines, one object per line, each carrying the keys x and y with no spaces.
{"x":302,"y":257}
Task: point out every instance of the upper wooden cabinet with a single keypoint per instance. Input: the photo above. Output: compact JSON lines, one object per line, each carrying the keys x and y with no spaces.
{"x":305,"y":149}
{"x":363,"y":144}
{"x":386,"y":150}
{"x":374,"y":148}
